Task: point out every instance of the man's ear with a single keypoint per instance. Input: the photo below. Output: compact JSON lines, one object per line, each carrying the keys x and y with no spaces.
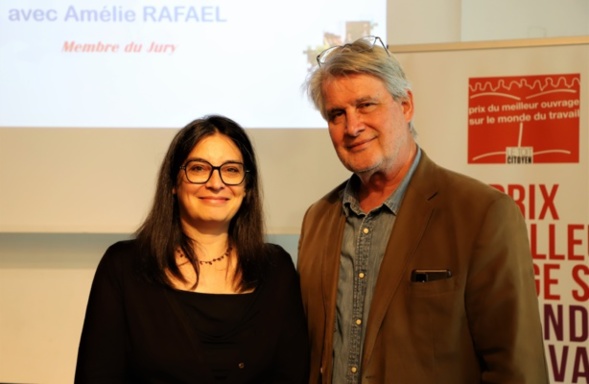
{"x":408,"y":107}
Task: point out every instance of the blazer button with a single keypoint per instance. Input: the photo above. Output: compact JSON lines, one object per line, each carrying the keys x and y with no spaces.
{"x":241,"y":365}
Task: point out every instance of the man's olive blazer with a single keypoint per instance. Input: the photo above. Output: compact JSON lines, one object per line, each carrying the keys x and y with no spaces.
{"x":481,"y":325}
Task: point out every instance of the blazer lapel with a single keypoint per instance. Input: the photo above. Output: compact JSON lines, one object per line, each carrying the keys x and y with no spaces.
{"x":330,"y":261}
{"x":407,"y":232}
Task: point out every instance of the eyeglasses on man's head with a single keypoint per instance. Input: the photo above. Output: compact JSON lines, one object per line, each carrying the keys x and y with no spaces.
{"x":363,"y":44}
{"x":200,"y":172}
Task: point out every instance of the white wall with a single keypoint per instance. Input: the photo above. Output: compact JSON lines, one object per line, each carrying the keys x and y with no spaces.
{"x":45,"y":277}
{"x":450,"y":21}
{"x":44,"y":285}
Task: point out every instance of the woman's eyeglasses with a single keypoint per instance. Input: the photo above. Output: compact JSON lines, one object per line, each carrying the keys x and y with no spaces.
{"x":200,"y":171}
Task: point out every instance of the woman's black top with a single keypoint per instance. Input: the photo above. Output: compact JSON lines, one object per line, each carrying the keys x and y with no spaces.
{"x":140,"y":332}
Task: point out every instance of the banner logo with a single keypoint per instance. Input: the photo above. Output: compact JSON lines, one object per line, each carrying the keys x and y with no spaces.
{"x":524,"y":119}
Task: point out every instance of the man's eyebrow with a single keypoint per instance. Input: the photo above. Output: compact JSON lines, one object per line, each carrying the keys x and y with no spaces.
{"x":332,"y":109}
{"x":365,"y":99}
{"x":359,"y":100}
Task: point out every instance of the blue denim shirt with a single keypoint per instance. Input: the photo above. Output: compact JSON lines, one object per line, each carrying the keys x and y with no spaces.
{"x":364,"y":243}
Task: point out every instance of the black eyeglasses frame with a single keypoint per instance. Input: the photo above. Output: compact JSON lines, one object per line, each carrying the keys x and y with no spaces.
{"x":213,"y":168}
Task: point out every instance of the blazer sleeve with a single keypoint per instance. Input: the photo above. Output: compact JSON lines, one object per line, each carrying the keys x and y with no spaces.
{"x":501,"y":299}
{"x":102,"y":349}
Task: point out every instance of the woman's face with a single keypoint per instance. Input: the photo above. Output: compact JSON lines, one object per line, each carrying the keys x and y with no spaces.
{"x":209,"y":207}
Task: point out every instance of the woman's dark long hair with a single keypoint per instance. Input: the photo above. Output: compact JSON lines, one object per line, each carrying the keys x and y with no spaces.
{"x":161,"y":233}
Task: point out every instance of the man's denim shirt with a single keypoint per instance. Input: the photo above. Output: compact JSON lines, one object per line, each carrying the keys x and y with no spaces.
{"x":364,"y":242}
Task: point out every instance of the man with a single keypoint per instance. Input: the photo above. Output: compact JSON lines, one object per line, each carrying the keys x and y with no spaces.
{"x":410,"y":273}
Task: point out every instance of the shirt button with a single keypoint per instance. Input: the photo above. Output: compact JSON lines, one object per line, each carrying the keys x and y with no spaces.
{"x":358,"y":321}
{"x":241,"y":365}
{"x":354,"y":369}
{"x":365,"y":230}
{"x":361,"y":275}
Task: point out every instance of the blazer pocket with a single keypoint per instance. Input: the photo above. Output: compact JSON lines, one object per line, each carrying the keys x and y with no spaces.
{"x":431,"y":282}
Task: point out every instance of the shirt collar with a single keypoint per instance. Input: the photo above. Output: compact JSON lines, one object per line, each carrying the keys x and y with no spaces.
{"x":393,"y":202}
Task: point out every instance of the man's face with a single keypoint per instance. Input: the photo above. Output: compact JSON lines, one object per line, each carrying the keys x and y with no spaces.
{"x":368,"y":128}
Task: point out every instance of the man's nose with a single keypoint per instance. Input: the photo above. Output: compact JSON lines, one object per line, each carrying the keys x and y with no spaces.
{"x":354,"y":124}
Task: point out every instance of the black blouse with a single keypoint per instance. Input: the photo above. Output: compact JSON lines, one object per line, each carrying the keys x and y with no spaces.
{"x":225,"y":322}
{"x":139,"y":332}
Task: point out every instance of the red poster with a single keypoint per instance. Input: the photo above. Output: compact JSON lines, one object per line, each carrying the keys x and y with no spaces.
{"x":524,"y":119}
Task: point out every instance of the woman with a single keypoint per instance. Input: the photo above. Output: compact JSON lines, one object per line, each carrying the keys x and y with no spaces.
{"x":197,"y":296}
